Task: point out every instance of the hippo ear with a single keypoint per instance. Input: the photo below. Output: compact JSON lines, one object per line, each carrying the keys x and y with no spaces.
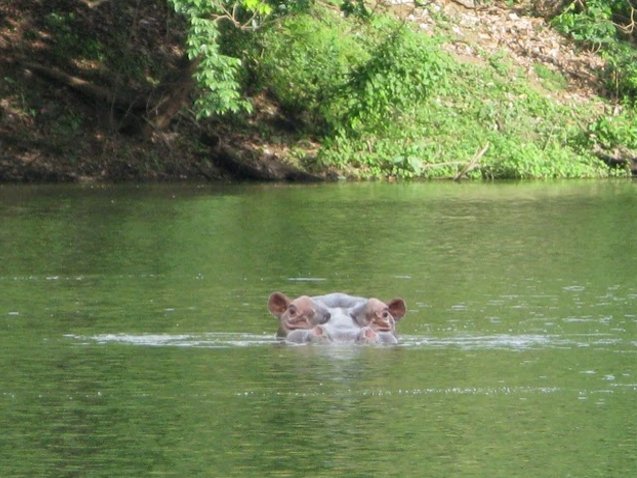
{"x":397,"y":308}
{"x":278,"y":303}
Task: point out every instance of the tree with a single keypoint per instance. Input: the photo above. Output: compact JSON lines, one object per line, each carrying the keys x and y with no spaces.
{"x":215,"y":72}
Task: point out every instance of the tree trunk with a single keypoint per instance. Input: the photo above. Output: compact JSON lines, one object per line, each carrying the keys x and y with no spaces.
{"x":174,"y":94}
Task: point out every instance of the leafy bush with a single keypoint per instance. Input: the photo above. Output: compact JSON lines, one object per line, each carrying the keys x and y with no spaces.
{"x":599,"y":25}
{"x":622,"y":71}
{"x":403,"y":69}
{"x":217,"y":74}
{"x":513,"y":160}
{"x":613,"y":131}
{"x":592,"y":24}
{"x":305,"y":61}
{"x":352,"y":76}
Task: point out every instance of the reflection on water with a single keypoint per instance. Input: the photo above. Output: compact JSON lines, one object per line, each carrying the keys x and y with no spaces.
{"x":135,"y":338}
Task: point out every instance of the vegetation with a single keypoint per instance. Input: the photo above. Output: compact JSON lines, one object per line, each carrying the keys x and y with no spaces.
{"x":328,"y":86}
{"x":609,"y":27}
{"x":394,"y":103}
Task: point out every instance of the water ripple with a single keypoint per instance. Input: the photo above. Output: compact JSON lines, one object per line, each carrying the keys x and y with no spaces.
{"x":464,"y":342}
{"x":516,"y":342}
{"x":211,"y":340}
{"x":503,"y":390}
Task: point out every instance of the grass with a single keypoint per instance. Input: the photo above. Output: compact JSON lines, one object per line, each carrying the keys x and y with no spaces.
{"x":530,"y":135}
{"x":552,"y":80}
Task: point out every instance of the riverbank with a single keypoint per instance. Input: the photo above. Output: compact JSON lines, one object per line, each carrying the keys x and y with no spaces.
{"x":514,"y":99}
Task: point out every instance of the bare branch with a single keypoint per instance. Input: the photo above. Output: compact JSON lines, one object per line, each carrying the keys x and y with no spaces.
{"x":231,"y":16}
{"x":630,"y":27}
{"x":473,"y":164}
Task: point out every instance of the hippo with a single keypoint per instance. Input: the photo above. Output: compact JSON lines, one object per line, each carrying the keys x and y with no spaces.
{"x":336,"y":317}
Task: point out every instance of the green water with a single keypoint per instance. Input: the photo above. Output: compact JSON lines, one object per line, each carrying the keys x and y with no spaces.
{"x":135,"y":339}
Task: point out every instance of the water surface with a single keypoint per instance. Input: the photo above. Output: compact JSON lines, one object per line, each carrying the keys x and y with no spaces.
{"x":135,"y":339}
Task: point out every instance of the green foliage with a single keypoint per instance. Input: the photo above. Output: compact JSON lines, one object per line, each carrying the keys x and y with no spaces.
{"x":592,"y":24}
{"x":622,"y":71}
{"x":613,"y":131}
{"x":355,"y":8}
{"x":598,"y":24}
{"x":348,"y":77}
{"x":217,"y":73}
{"x":514,"y":160}
{"x":403,"y":69}
{"x":387,"y":100}
{"x":500,"y":63}
{"x":552,"y":80}
{"x":304,"y":62}
{"x":528,"y":135}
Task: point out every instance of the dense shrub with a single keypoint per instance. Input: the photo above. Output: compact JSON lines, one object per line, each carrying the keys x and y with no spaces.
{"x":613,"y":131}
{"x":403,"y":69}
{"x":514,"y":160}
{"x":609,"y":27}
{"x":305,"y":62}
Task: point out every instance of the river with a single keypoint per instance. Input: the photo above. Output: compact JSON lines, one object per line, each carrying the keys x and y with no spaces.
{"x":135,"y":338}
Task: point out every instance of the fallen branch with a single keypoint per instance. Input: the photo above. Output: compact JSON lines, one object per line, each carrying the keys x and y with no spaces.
{"x":473,"y":164}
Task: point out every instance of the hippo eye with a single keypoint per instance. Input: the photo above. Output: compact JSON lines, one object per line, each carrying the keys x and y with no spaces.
{"x":385,"y":314}
{"x":292,"y":311}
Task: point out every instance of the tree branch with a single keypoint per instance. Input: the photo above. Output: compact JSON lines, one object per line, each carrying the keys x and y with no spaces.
{"x":473,"y":164}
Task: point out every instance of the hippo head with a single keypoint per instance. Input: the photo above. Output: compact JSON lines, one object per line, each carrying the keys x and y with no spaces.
{"x":300,"y":313}
{"x":379,"y":316}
